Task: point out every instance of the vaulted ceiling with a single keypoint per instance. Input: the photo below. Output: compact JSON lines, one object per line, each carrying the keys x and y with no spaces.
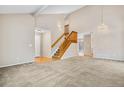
{"x":18,"y":9}
{"x":38,"y":9}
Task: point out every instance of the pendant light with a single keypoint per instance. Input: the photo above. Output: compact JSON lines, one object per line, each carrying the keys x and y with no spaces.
{"x":102,"y":26}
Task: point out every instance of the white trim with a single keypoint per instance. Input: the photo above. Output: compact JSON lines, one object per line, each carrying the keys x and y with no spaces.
{"x":18,"y":63}
{"x":98,"y":55}
{"x":40,"y":10}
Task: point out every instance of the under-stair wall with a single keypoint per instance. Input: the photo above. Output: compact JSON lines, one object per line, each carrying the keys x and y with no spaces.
{"x":71,"y":51}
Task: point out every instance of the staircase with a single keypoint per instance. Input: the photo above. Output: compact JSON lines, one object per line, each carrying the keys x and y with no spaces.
{"x":69,"y":38}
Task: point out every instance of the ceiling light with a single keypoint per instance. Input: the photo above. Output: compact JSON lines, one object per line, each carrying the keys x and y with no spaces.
{"x":102,"y":26}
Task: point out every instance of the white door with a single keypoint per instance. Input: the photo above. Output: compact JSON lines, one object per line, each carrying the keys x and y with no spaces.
{"x":87,"y":45}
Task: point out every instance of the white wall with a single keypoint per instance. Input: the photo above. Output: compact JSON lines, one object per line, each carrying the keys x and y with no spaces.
{"x":71,"y":51}
{"x":16,"y":39}
{"x":109,"y":45}
{"x":52,"y":22}
{"x":46,"y":44}
{"x":17,"y":36}
{"x":37,"y":44}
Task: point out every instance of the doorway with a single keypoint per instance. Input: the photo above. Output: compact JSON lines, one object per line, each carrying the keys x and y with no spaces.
{"x":42,"y":44}
{"x":84,"y":44}
{"x":80,"y":45}
{"x":87,"y":45}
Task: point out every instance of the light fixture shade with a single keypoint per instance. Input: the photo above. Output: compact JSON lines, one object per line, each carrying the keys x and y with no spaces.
{"x":102,"y":27}
{"x":39,"y":30}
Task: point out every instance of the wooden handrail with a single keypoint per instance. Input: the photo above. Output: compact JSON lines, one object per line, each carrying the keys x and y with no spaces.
{"x":71,"y":38}
{"x":70,"y":34}
{"x":57,"y":40}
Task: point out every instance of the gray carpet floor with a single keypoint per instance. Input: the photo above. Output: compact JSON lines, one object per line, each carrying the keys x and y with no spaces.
{"x":72,"y":72}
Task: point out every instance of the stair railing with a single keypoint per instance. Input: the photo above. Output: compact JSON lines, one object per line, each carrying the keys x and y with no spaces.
{"x":58,"y":40}
{"x":70,"y":38}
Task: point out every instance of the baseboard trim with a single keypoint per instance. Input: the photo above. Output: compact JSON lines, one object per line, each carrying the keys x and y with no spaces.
{"x":107,"y":58}
{"x":16,"y":64}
